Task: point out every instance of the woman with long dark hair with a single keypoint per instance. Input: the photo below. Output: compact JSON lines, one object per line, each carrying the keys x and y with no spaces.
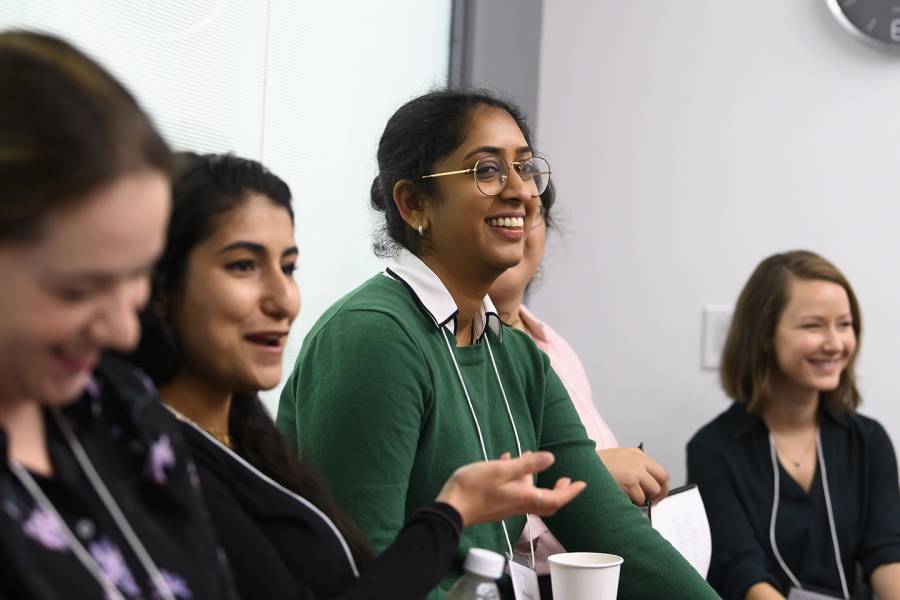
{"x":413,"y":374}
{"x":98,"y":494}
{"x":223,"y":301}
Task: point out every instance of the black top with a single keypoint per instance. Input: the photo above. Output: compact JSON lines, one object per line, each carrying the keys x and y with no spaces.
{"x":730,"y":460}
{"x":136,"y":447}
{"x":281,"y":547}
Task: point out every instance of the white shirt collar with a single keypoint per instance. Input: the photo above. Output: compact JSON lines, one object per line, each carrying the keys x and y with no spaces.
{"x":431,"y":293}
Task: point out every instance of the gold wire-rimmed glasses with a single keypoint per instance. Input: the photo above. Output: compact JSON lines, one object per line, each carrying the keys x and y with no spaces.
{"x":491,"y":174}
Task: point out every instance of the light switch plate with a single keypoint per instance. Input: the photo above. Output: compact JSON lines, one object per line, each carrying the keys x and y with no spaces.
{"x":716,"y":321}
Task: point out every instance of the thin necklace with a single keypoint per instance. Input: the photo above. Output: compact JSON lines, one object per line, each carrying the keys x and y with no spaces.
{"x":797,"y":463}
{"x":514,"y":320}
{"x":222,"y":436}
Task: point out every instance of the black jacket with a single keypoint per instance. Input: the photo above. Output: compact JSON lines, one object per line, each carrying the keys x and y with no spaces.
{"x":282,"y":549}
{"x":136,"y":447}
{"x":729,"y":458}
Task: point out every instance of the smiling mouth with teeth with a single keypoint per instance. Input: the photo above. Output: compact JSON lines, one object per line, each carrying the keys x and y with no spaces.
{"x":825,"y":363}
{"x":265,"y":340}
{"x":507,"y":222}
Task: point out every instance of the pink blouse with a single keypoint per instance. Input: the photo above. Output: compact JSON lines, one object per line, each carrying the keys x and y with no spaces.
{"x":571,"y":372}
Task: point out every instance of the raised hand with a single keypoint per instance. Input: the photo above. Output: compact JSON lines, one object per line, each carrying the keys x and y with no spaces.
{"x":496,"y":489}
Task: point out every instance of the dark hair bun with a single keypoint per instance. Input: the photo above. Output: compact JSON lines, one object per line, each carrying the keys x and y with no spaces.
{"x":376,"y":197}
{"x":416,"y":136}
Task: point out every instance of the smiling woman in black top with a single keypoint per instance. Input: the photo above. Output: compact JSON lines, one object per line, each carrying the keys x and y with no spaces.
{"x":223,"y":301}
{"x":98,"y":497}
{"x":791,"y":475}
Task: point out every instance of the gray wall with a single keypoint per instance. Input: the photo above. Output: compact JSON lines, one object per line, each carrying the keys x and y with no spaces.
{"x":689,"y":140}
{"x":496,"y":44}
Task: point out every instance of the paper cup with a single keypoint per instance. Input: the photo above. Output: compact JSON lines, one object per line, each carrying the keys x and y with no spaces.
{"x":585,"y":575}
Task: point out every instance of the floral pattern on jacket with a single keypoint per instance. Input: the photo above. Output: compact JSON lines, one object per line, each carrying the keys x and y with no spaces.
{"x":136,"y":447}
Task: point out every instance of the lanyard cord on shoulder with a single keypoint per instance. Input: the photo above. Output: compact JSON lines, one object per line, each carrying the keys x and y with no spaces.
{"x":776,"y":480}
{"x":833,"y":529}
{"x":503,"y":392}
{"x":484,"y":453}
{"x":78,"y":549}
{"x":512,"y":422}
{"x":241,"y":461}
{"x":831,"y":524}
{"x":162,"y":587}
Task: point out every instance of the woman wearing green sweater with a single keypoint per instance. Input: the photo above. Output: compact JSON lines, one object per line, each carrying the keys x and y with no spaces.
{"x":412,"y":374}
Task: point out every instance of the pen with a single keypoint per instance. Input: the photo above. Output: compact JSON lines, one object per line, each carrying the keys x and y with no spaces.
{"x":648,"y":505}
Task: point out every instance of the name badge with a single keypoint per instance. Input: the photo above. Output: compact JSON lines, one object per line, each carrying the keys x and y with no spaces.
{"x":798,"y":594}
{"x":524,"y":581}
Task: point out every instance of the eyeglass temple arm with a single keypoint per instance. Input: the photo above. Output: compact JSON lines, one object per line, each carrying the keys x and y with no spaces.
{"x":447,"y":173}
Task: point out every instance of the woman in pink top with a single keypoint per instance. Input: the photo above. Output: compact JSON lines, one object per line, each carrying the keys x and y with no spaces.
{"x":637,"y":474}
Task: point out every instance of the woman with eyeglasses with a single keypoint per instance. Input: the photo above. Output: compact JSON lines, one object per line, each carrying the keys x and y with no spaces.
{"x":223,"y":301}
{"x":98,"y":496}
{"x":413,"y":373}
{"x":634,"y":471}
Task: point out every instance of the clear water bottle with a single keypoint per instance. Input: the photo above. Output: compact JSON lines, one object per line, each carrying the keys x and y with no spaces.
{"x":483,"y":568}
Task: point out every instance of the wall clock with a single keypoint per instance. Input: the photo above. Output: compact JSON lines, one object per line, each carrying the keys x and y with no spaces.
{"x":875,"y":21}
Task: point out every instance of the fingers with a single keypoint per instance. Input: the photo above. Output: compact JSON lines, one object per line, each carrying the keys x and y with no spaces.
{"x":654,"y":479}
{"x":527,"y":464}
{"x":547,"y":502}
{"x":649,"y":486}
{"x":562,"y":482}
{"x":638,"y":475}
{"x":661,"y":475}
{"x":636,"y":494}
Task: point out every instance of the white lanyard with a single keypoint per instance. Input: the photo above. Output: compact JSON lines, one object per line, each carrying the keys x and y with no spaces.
{"x":481,"y":437}
{"x":78,"y":549}
{"x":831,"y":525}
{"x":274,"y":484}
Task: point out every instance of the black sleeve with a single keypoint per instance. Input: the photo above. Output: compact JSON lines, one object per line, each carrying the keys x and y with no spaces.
{"x":408,"y":569}
{"x":880,"y":542}
{"x":738,"y":561}
{"x":416,"y":561}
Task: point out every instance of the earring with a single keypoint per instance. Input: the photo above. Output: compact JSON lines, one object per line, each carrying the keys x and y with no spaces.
{"x":538,"y":275}
{"x":421,"y":231}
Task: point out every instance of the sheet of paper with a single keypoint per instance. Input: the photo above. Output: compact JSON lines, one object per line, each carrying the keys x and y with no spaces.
{"x":681,"y":519}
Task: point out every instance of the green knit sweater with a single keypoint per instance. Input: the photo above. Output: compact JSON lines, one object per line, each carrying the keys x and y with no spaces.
{"x":375,"y":405}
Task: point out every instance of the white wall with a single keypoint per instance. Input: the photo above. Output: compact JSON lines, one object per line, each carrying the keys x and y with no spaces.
{"x":689,"y":140}
{"x":306,"y":87}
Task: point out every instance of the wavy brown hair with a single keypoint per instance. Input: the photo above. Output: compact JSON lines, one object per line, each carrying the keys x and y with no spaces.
{"x":67,"y":127}
{"x":748,"y":358}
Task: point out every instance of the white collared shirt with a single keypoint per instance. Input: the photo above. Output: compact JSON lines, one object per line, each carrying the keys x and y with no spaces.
{"x":433,"y":295}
